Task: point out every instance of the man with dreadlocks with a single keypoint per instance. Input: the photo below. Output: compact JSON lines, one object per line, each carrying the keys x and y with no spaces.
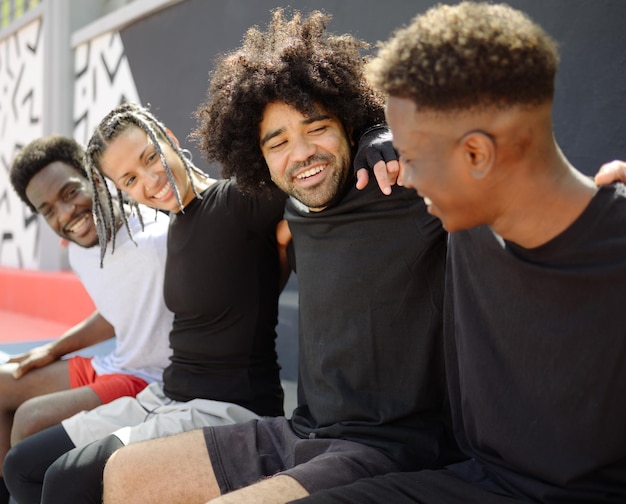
{"x":39,"y":389}
{"x":286,"y":110}
{"x":221,"y":283}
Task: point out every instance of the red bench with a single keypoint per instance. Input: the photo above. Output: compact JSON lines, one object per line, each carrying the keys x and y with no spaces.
{"x":39,"y":305}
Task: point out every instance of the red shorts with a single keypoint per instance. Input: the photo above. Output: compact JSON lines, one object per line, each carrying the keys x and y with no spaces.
{"x":108,"y":386}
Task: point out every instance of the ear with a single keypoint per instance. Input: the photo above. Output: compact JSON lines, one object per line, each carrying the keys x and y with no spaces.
{"x":169,"y":132}
{"x":479,"y":152}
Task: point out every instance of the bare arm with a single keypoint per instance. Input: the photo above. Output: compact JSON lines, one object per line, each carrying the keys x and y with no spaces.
{"x":276,"y":490}
{"x":94,"y":329}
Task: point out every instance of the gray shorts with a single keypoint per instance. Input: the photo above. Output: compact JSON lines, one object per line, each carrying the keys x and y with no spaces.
{"x":245,"y":453}
{"x":149,"y":415}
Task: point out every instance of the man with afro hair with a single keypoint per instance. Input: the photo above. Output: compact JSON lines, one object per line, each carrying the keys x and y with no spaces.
{"x":288,"y":109}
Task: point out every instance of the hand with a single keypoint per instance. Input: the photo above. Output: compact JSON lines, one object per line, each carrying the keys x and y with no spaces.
{"x":376,"y":151}
{"x":283,"y":239}
{"x":35,"y":358}
{"x":615,"y":171}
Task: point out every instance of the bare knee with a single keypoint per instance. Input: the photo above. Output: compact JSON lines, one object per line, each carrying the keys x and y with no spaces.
{"x":11,"y":390}
{"x":176,"y":468}
{"x":112,"y":466}
{"x":43,"y":411}
{"x":29,"y":418}
{"x":114,"y":477}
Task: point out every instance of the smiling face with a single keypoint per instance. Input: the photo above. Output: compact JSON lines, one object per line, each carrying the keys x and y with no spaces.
{"x":62,"y":195}
{"x":433,"y":161}
{"x":133,"y":163}
{"x":308,"y":157}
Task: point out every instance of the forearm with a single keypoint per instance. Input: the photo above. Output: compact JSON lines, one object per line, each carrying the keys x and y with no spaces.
{"x":94,"y":329}
{"x":277,"y":490}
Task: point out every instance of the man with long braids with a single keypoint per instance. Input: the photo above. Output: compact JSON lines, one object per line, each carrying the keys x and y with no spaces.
{"x":43,"y":386}
{"x":535,"y":340}
{"x":222,"y":284}
{"x":286,"y":110}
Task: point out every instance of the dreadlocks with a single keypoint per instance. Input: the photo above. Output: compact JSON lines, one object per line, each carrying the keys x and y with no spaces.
{"x":114,"y":123}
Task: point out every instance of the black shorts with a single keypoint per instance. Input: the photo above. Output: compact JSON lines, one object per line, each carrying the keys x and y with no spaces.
{"x":243,"y":454}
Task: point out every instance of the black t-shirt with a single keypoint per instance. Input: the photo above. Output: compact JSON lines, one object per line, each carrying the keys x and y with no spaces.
{"x":536,"y":355}
{"x":221,"y":282}
{"x":370,"y":278}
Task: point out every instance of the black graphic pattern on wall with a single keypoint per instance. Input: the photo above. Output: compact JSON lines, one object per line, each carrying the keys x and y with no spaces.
{"x":21,"y":105}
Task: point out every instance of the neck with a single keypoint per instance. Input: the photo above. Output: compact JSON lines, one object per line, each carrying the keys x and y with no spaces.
{"x":200,"y":181}
{"x":545,"y":196}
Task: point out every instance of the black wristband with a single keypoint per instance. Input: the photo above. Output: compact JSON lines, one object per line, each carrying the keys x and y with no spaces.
{"x":372,"y":128}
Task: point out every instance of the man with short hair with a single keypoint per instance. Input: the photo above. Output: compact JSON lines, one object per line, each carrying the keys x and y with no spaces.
{"x":38,"y":389}
{"x":536,"y":271}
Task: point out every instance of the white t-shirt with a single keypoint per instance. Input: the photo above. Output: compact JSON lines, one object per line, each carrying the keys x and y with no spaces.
{"x":128,"y":292}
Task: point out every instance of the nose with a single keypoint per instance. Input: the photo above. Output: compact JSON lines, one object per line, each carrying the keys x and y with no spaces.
{"x":150,"y":178}
{"x":65,"y":210}
{"x":302,"y":149}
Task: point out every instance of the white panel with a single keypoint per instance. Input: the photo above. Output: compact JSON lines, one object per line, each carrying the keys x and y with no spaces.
{"x":103,"y":81}
{"x":21,"y":106}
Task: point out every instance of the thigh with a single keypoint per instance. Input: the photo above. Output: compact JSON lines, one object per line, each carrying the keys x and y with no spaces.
{"x":76,"y":476}
{"x":269,"y":446}
{"x":88,"y":426}
{"x":175,"y":468}
{"x":27,"y":462}
{"x":109,"y":387}
{"x":174,"y":417}
{"x":51,"y":378}
{"x":40,"y":412}
{"x":328,"y":463}
{"x":263,"y":449}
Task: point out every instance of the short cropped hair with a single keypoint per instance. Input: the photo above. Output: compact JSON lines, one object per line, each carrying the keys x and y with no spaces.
{"x":466,"y":56}
{"x":296,"y":62}
{"x":38,"y":154}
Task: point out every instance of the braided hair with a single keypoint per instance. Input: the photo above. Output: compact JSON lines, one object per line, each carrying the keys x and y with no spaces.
{"x":114,"y":123}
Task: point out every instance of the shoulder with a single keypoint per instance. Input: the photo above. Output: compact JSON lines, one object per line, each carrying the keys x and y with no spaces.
{"x":149,"y":230}
{"x":616,"y":190}
{"x":251,"y":207}
{"x":609,"y":202}
{"x":607,"y":210}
